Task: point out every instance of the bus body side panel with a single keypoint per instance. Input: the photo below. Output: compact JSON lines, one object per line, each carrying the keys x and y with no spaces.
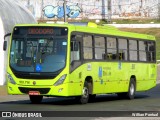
{"x":146,"y":76}
{"x":114,"y":77}
{"x":106,"y":77}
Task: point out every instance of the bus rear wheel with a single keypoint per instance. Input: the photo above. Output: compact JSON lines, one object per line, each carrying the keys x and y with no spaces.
{"x":131,"y":90}
{"x":36,"y":98}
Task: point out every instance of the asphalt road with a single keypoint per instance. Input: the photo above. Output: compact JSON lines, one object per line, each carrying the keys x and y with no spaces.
{"x":144,"y":101}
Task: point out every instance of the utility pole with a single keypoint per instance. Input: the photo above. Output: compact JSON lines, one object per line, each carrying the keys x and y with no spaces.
{"x":158,"y":9}
{"x":42,"y":2}
{"x":28,"y":3}
{"x":103,"y":10}
{"x":64,"y":7}
{"x":109,"y":11}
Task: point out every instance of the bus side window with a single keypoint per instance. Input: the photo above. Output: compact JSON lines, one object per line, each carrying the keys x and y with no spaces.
{"x":123,"y":50}
{"x":122,"y":56}
{"x":133,"y":52}
{"x":142,"y":51}
{"x":99,"y":47}
{"x":87,"y":47}
{"x":151,"y":51}
{"x":111,"y":48}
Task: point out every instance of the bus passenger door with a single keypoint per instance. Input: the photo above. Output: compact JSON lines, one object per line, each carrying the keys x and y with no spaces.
{"x":75,"y":65}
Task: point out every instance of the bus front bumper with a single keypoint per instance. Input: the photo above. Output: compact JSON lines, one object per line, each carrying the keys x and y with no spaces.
{"x":60,"y":90}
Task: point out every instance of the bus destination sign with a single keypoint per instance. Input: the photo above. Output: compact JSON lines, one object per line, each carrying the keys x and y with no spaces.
{"x":40,"y":31}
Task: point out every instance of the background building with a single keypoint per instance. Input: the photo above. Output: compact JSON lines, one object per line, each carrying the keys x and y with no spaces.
{"x":94,"y":9}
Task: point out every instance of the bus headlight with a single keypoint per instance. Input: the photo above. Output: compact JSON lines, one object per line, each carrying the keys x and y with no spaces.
{"x":11,"y":80}
{"x":60,"y":80}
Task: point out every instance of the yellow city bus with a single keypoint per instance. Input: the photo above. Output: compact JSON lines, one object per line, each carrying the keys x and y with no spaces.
{"x":79,"y":60}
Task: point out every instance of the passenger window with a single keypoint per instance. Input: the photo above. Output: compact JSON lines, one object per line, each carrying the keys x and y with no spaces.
{"x":151,"y":51}
{"x":133,"y":54}
{"x":111,"y":48}
{"x":123,"y":52}
{"x":99,"y":47}
{"x":142,"y":51}
{"x":87,"y":47}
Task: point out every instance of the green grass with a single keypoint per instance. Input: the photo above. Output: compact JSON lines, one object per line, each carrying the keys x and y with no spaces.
{"x":105,"y":21}
{"x":150,"y":31}
{"x":123,"y":21}
{"x":135,"y":21}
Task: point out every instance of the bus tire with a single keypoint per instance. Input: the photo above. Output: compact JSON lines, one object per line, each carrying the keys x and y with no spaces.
{"x":131,"y":89}
{"x":83,"y":99}
{"x":35,"y":98}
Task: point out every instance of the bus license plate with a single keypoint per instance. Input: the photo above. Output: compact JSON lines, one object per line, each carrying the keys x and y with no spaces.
{"x":34,"y":93}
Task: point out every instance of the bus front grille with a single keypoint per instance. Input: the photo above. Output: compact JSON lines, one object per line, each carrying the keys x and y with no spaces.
{"x":41,"y":90}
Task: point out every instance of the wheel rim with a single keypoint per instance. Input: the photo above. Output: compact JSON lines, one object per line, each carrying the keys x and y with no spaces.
{"x":85,"y":92}
{"x":132,"y":89}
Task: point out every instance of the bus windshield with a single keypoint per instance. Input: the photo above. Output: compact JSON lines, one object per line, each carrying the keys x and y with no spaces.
{"x":38,"y":52}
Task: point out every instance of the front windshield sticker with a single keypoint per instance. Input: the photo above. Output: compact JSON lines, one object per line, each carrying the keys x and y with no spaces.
{"x":64,"y":43}
{"x":41,"y":41}
{"x":38,"y":68}
{"x":12,"y":53}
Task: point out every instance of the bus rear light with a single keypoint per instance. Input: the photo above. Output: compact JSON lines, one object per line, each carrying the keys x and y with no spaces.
{"x":11,"y":80}
{"x":60,"y":80}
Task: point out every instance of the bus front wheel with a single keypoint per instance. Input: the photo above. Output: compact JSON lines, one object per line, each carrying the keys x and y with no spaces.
{"x":35,"y":98}
{"x":83,"y":99}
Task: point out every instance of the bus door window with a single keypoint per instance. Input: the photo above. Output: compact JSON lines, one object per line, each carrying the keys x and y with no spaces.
{"x":133,"y":53}
{"x":142,"y":51}
{"x":99,"y":47}
{"x":122,"y":52}
{"x":75,"y":48}
{"x":111,"y":48}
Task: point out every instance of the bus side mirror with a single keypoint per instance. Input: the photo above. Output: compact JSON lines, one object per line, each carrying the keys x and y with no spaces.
{"x":4,"y":45}
{"x":5,"y":42}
